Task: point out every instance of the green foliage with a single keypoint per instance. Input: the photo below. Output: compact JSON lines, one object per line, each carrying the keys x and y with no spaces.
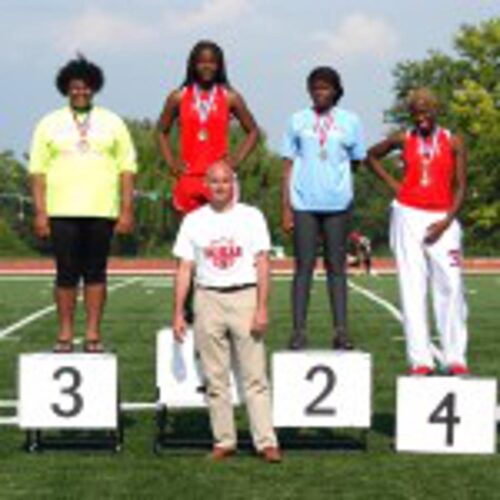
{"x":371,"y":209}
{"x":155,"y":219}
{"x":16,"y":207}
{"x":10,"y":242}
{"x":157,"y":223}
{"x":468,"y":86}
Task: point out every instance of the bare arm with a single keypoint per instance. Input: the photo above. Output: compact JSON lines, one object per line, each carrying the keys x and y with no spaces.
{"x":38,"y":191}
{"x":240,"y":110}
{"x":167,"y":119}
{"x":434,"y":231}
{"x":261,"y":320}
{"x":181,"y":287}
{"x":286,"y":207}
{"x":460,"y":152}
{"x":125,"y":223}
{"x":379,"y":151}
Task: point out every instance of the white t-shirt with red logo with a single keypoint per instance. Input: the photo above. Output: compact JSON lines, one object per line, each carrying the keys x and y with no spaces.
{"x":223,"y":245}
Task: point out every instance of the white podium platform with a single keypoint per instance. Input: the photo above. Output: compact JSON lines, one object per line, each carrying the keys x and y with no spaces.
{"x":180,"y":385}
{"x":74,"y":391}
{"x":179,"y":378}
{"x":322,"y":389}
{"x":446,"y":414}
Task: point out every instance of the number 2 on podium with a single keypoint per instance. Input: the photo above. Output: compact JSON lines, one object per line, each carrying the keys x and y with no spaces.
{"x":313,"y":408}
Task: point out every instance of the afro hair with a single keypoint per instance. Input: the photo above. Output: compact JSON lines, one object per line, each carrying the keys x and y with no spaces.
{"x":80,"y":69}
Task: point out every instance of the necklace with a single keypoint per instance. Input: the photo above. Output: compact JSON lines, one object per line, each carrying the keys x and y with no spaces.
{"x":323,"y":125}
{"x":83,"y":128}
{"x":428,"y":148}
{"x":203,"y":108}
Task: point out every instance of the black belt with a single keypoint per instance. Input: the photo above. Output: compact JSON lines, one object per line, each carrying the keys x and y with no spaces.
{"x":229,"y":289}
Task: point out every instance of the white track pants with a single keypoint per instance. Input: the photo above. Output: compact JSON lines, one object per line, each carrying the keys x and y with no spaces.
{"x":418,"y":266}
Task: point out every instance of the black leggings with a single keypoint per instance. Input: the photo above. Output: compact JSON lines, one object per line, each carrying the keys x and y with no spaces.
{"x":333,"y":227}
{"x":81,"y":247}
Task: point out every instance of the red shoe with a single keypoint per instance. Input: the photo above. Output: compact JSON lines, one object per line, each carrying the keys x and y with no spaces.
{"x":421,"y":370}
{"x":458,"y":369}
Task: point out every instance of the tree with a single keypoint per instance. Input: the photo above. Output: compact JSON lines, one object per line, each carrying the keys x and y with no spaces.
{"x":156,"y":221}
{"x":468,"y":85}
{"x":16,"y":207}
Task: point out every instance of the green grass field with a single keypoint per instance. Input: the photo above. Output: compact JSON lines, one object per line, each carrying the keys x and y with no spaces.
{"x":137,"y":311}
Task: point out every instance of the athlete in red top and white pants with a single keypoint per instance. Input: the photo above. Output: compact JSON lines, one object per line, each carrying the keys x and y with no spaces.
{"x":425,"y":235}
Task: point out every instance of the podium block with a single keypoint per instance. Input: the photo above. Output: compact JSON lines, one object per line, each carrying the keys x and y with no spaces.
{"x":446,"y":415}
{"x":179,"y":377}
{"x":322,"y":389}
{"x":68,"y":391}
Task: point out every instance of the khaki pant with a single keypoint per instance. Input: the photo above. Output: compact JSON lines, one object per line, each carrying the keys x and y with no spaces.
{"x":222,"y":327}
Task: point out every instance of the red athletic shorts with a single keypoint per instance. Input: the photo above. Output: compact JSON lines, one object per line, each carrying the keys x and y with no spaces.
{"x":190,"y":192}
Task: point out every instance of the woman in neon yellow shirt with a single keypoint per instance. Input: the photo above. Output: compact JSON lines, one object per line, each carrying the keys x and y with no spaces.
{"x":82,"y":167}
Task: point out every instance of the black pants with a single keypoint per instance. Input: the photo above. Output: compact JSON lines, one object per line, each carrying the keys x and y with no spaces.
{"x":81,"y":247}
{"x":333,"y":228}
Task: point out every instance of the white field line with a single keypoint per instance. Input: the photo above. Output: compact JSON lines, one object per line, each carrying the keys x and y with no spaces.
{"x":47,"y":310}
{"x":392,"y":309}
{"x":395,"y":313}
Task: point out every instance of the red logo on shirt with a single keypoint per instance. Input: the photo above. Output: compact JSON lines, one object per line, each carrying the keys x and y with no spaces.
{"x":223,"y":253}
{"x":455,"y":258}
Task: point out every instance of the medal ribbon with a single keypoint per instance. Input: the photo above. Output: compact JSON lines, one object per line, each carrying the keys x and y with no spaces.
{"x":322,"y":127}
{"x":82,"y":127}
{"x":204,"y":106}
{"x":428,"y":149}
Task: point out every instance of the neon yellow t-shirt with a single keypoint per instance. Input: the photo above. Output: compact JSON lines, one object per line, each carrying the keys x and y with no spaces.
{"x":82,"y":181}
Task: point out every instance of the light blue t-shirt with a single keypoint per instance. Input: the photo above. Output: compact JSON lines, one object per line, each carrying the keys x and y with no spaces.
{"x":322,"y":182}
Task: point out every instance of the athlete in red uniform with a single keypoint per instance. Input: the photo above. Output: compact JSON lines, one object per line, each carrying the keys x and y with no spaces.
{"x":203,"y":108}
{"x":425,"y":235}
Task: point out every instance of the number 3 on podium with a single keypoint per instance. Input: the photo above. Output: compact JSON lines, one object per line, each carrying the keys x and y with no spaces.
{"x":70,"y":390}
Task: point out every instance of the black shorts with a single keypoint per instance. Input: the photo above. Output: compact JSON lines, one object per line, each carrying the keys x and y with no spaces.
{"x":81,"y":247}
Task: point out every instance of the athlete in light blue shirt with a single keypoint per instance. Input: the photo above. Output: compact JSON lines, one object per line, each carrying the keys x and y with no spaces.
{"x":321,"y":146}
{"x":322,"y":174}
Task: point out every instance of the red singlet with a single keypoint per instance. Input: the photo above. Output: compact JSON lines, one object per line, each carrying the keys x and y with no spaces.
{"x":429,"y":165}
{"x":203,"y":143}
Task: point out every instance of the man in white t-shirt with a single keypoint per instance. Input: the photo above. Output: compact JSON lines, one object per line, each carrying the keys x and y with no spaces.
{"x":225,"y":245}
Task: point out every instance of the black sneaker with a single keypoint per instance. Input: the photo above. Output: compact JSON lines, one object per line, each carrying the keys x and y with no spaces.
{"x":297,"y":341}
{"x":342,"y":344}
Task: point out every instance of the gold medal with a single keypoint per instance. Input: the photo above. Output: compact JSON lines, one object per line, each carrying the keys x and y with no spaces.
{"x":203,"y":134}
{"x":83,"y":146}
{"x":323,"y":154}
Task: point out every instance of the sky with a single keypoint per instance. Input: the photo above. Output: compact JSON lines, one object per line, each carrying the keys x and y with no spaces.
{"x":270,"y":47}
